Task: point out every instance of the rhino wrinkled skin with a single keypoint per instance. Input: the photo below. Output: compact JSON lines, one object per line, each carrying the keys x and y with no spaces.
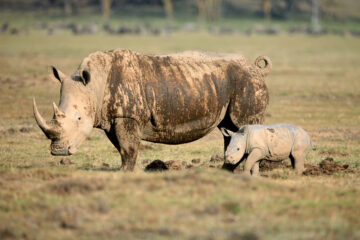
{"x":270,"y":142}
{"x":169,"y":99}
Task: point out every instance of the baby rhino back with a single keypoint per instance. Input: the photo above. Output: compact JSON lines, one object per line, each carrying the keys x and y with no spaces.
{"x":280,"y":140}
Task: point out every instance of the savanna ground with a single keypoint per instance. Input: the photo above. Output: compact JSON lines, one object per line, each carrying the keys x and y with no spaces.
{"x":314,"y":84}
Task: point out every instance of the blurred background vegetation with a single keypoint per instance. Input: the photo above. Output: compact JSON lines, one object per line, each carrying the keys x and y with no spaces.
{"x":155,"y":17}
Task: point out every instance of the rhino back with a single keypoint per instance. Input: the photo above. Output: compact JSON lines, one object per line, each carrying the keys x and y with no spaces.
{"x":302,"y":140}
{"x":275,"y":141}
{"x":280,"y":142}
{"x":177,"y":98}
{"x":124,"y":95}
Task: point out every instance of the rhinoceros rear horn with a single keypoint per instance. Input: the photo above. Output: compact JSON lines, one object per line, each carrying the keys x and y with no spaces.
{"x":57,"y":112}
{"x":265,"y":69}
{"x":44,"y":126}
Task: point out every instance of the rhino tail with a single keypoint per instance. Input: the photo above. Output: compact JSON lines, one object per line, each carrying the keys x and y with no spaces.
{"x":266,"y":68}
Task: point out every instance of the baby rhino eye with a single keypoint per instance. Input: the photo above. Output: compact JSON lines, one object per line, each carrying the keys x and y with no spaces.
{"x":238,"y":149}
{"x":79,"y":118}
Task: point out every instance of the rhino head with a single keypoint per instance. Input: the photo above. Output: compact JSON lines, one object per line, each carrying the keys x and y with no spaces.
{"x":237,"y":146}
{"x":73,"y":120}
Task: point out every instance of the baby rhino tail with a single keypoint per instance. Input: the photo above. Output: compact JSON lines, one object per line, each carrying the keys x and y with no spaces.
{"x":312,"y":145}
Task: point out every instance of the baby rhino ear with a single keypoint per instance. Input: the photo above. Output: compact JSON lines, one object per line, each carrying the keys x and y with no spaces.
{"x":226,"y":132}
{"x":243,"y":130}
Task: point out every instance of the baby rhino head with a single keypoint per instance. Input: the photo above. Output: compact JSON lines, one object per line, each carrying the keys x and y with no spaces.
{"x":236,"y":149}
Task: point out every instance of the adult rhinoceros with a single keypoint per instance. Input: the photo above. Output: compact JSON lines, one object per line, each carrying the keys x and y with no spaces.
{"x":169,"y":99}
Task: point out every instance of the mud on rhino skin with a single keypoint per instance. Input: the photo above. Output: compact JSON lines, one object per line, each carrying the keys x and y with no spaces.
{"x":170,"y":99}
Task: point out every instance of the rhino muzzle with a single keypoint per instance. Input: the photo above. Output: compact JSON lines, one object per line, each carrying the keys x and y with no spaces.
{"x":60,"y":149}
{"x":228,"y":160}
{"x":62,"y":152}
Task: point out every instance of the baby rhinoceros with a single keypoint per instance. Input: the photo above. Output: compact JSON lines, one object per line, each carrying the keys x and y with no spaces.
{"x":270,"y":142}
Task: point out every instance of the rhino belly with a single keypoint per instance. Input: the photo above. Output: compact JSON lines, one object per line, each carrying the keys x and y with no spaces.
{"x":279,"y":143}
{"x":182,"y":131}
{"x":176,"y":135}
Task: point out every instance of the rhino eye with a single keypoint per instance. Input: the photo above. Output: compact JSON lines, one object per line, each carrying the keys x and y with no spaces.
{"x":238,"y":149}
{"x":79,"y":118}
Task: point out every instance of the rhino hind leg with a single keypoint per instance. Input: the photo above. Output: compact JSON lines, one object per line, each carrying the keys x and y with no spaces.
{"x":298,"y":161}
{"x":125,"y":136}
{"x":255,"y":169}
{"x":292,"y":159}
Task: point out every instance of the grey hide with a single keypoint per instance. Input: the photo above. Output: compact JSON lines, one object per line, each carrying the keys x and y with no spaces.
{"x":271,"y":142}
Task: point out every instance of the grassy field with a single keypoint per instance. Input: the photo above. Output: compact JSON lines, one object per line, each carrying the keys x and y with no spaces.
{"x":314,"y":84}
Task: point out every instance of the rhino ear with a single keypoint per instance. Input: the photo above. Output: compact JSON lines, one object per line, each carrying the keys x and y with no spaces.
{"x":57,"y":74}
{"x":226,"y":132}
{"x":85,"y":77}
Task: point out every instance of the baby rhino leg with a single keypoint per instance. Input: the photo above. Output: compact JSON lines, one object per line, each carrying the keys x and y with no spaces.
{"x":252,"y":160}
{"x":298,"y":160}
{"x":255,"y":169}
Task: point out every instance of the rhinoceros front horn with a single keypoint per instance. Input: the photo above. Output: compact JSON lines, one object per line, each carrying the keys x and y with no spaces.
{"x":46,"y":128}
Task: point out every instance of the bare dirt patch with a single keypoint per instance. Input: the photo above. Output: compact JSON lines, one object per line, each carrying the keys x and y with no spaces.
{"x":106,"y":165}
{"x":196,"y":161}
{"x":266,"y":166}
{"x":326,"y":167}
{"x":173,"y":165}
{"x":156,"y":166}
{"x":66,"y":161}
{"x":159,"y":165}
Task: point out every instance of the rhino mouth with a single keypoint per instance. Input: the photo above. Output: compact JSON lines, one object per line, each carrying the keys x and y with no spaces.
{"x":63,"y":152}
{"x":230,"y":161}
{"x":60,"y":150}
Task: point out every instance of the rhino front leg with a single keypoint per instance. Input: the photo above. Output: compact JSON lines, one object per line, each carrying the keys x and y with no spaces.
{"x":254,"y":157}
{"x":128,"y":137}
